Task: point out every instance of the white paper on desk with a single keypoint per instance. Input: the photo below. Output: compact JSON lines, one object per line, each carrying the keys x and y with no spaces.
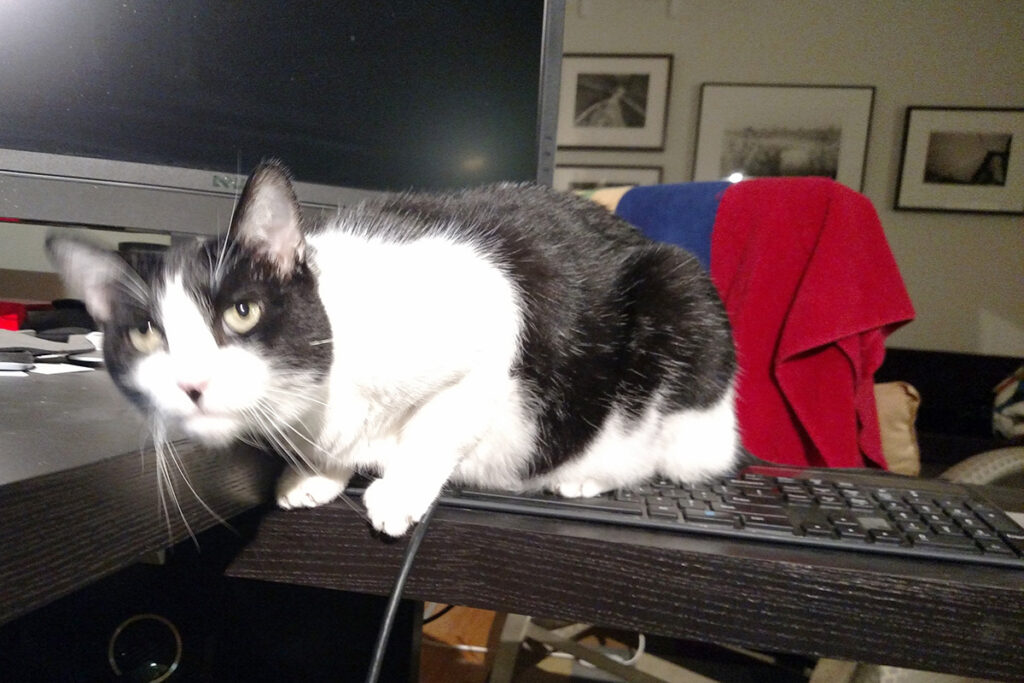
{"x":1017,"y":517}
{"x":13,"y":373}
{"x":58,"y":368}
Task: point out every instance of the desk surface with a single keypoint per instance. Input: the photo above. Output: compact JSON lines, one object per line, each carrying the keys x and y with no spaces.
{"x":78,"y":487}
{"x":78,"y":501}
{"x":904,"y":612}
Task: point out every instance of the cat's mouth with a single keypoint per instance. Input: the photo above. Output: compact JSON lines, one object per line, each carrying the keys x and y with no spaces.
{"x":215,"y":429}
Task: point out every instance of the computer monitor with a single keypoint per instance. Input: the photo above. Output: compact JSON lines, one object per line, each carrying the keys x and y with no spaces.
{"x":147,"y":116}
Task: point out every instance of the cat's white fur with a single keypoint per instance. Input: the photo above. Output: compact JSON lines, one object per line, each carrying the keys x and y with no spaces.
{"x":420,"y":389}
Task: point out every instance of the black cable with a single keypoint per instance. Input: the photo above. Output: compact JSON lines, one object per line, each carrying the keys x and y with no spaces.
{"x":377,"y":660}
{"x":438,"y":614}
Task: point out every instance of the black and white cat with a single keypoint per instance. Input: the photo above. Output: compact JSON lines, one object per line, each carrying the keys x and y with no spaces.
{"x":509,"y":337}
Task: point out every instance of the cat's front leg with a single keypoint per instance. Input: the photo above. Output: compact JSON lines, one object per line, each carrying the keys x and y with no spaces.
{"x":305,"y":489}
{"x":394,"y":504}
{"x":428,"y":449}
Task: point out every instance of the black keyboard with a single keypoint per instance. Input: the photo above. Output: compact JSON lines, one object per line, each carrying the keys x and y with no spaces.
{"x":846,"y":510}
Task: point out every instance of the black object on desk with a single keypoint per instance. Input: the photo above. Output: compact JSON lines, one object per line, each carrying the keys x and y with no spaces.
{"x":833,"y":509}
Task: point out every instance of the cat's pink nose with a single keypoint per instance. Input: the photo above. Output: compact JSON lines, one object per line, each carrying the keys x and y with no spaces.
{"x":194,"y":390}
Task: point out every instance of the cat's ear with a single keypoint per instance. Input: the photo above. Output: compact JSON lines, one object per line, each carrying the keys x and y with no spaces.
{"x":267,"y":218}
{"x":92,"y":274}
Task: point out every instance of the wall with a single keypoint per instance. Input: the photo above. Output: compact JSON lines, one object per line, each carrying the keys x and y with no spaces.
{"x":965,"y":272}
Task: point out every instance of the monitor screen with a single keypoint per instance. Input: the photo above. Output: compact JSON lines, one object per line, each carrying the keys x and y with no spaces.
{"x":148,"y":115}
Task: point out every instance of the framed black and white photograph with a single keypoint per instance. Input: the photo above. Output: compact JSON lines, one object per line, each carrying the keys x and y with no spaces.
{"x":754,"y":131}
{"x":962,"y":159}
{"x":614,"y":101}
{"x":585,"y":177}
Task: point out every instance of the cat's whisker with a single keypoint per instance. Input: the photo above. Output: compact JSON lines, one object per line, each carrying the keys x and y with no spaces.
{"x":320,"y":342}
{"x":176,"y":461}
{"x":162,"y":458}
{"x":305,"y":397}
{"x":161,"y":483}
{"x":355,"y":507}
{"x":281,"y":442}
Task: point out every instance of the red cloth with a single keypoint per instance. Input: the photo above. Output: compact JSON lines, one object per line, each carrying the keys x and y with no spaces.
{"x":812,"y":290}
{"x":12,"y":315}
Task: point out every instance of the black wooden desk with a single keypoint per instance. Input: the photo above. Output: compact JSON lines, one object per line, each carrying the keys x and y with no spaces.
{"x":78,"y":487}
{"x":71,"y":515}
{"x":913,"y":613}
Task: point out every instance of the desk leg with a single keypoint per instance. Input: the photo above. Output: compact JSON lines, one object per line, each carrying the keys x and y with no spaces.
{"x":513,"y":631}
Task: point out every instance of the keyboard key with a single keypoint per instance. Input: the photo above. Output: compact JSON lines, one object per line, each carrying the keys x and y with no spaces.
{"x":851,"y":531}
{"x":710,"y":517}
{"x":949,"y":503}
{"x":662,"y":510}
{"x":843,"y":518}
{"x":968,"y":524}
{"x":1015,"y":540}
{"x":817,"y":529}
{"x":912,"y":496}
{"x":768,"y":522}
{"x":904,"y":516}
{"x":926,"y":508}
{"x":874,"y":523}
{"x":952,"y":543}
{"x":996,"y":547}
{"x":996,"y":519}
{"x":984,"y":534}
{"x":884,"y":496}
{"x":831,"y":502}
{"x":886,"y":536}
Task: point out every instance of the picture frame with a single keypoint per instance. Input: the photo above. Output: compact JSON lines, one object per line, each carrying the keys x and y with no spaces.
{"x":962,"y":159}
{"x":747,"y":130}
{"x":581,"y":177}
{"x":610,"y":101}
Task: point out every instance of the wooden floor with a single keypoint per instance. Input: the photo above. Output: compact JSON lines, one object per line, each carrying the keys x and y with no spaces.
{"x":458,"y":646}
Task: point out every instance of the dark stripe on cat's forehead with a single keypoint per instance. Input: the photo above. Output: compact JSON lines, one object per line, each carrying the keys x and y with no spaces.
{"x":203,"y":266}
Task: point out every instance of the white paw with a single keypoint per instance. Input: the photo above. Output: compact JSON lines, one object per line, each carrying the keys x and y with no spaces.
{"x":296,"y":490}
{"x":394,"y":507}
{"x":588,"y":488}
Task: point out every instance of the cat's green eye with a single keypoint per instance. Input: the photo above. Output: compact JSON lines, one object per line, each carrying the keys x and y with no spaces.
{"x":145,"y":338}
{"x":243,"y":316}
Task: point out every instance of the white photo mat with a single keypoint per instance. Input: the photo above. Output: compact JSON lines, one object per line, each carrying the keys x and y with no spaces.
{"x":589,"y":177}
{"x":657,"y":72}
{"x":727,"y":109}
{"x":919,"y":190}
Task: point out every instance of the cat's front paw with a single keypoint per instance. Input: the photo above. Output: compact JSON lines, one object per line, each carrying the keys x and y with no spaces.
{"x":393,"y":507}
{"x":303,"y":490}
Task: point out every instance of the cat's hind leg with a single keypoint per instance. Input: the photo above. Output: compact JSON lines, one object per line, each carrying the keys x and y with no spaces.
{"x":699,"y":444}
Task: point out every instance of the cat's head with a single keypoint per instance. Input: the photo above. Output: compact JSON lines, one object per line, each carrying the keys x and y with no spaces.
{"x":225,"y":337}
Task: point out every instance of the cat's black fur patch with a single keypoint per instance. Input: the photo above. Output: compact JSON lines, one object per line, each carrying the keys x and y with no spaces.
{"x":610,"y":318}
